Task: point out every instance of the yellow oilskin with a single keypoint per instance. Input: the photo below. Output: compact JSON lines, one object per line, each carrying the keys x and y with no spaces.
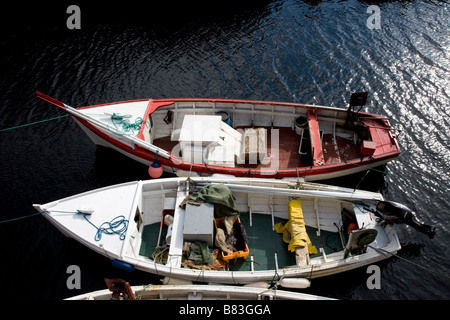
{"x":294,"y":231}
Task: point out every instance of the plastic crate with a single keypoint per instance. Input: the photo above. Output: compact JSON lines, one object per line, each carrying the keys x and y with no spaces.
{"x":236,"y":254}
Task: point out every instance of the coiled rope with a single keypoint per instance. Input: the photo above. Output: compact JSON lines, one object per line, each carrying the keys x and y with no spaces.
{"x":118,"y":225}
{"x":124,"y":126}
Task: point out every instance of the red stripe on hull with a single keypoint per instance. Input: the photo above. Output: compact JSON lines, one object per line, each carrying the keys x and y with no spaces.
{"x":175,"y":163}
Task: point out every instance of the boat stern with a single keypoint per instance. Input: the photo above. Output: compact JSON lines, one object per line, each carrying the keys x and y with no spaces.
{"x":382,"y":138}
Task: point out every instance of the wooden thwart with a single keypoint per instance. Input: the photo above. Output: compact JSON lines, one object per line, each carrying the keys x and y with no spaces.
{"x":316,"y":142}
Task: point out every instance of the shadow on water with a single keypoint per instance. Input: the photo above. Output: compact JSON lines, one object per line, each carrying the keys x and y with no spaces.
{"x":95,"y":268}
{"x":111,"y":167}
{"x":369,"y":180}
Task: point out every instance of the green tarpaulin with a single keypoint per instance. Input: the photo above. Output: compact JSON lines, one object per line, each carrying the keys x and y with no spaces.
{"x":217,"y":194}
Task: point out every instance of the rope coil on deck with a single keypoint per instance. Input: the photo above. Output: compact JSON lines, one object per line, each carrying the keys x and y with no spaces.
{"x":121,"y":124}
{"x":118,"y":225}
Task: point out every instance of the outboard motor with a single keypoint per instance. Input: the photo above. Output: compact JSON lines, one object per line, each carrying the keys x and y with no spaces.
{"x":393,"y":212}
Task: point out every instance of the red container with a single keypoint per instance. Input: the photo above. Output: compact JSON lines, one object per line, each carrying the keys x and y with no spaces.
{"x":368,"y":148}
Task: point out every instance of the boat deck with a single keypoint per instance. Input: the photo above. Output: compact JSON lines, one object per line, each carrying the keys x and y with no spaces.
{"x":334,"y":150}
{"x":288,"y":156}
{"x":262,"y":242}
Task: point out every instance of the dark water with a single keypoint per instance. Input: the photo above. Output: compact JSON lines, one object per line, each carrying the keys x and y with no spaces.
{"x":296,"y":51}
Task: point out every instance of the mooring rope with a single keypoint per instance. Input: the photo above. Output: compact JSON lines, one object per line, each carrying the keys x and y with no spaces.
{"x":118,"y":225}
{"x":14,"y":219}
{"x":411,"y":262}
{"x":32,"y":123}
{"x":396,"y":175}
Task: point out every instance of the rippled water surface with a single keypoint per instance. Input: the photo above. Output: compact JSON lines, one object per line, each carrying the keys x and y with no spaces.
{"x":314,"y":52}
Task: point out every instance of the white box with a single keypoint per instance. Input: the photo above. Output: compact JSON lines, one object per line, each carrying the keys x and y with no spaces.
{"x":200,"y":129}
{"x":199,"y":223}
{"x":220,"y":156}
{"x":192,"y":153}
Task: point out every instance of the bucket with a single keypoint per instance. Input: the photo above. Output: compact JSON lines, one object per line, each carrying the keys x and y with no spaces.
{"x":169,"y":234}
{"x":301,"y":123}
{"x":225,"y":117}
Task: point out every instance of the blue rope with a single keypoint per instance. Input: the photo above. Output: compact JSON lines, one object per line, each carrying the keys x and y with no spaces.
{"x":118,"y":225}
{"x":36,"y":122}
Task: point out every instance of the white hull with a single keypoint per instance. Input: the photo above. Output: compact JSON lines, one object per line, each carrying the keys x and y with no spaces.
{"x":321,"y":204}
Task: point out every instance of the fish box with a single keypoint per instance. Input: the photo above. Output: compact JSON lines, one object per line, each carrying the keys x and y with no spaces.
{"x":218,"y":223}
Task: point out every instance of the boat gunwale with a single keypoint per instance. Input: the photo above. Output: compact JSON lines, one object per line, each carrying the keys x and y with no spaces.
{"x":173,"y":161}
{"x":311,"y":271}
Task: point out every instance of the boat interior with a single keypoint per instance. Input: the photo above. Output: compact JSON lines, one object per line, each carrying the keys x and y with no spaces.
{"x":326,"y":222}
{"x":244,"y":135}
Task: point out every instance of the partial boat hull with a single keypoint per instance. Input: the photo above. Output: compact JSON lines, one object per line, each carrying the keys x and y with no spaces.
{"x":202,"y":292}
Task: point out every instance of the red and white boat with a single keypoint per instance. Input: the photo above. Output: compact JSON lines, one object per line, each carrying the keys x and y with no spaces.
{"x":200,"y":137}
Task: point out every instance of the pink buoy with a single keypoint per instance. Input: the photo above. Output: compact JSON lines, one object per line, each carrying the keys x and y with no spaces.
{"x":155,"y":170}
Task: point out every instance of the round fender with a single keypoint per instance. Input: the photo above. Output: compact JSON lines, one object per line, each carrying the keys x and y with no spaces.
{"x":298,"y":283}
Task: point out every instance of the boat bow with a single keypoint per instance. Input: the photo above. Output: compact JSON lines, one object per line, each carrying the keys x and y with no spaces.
{"x":99,"y":219}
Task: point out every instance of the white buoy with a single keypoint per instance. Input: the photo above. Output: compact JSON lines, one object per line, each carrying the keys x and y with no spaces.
{"x":298,"y":283}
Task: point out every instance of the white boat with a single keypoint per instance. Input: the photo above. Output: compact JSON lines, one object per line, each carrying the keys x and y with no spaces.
{"x":141,"y":225}
{"x":121,"y":290}
{"x":200,"y":137}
